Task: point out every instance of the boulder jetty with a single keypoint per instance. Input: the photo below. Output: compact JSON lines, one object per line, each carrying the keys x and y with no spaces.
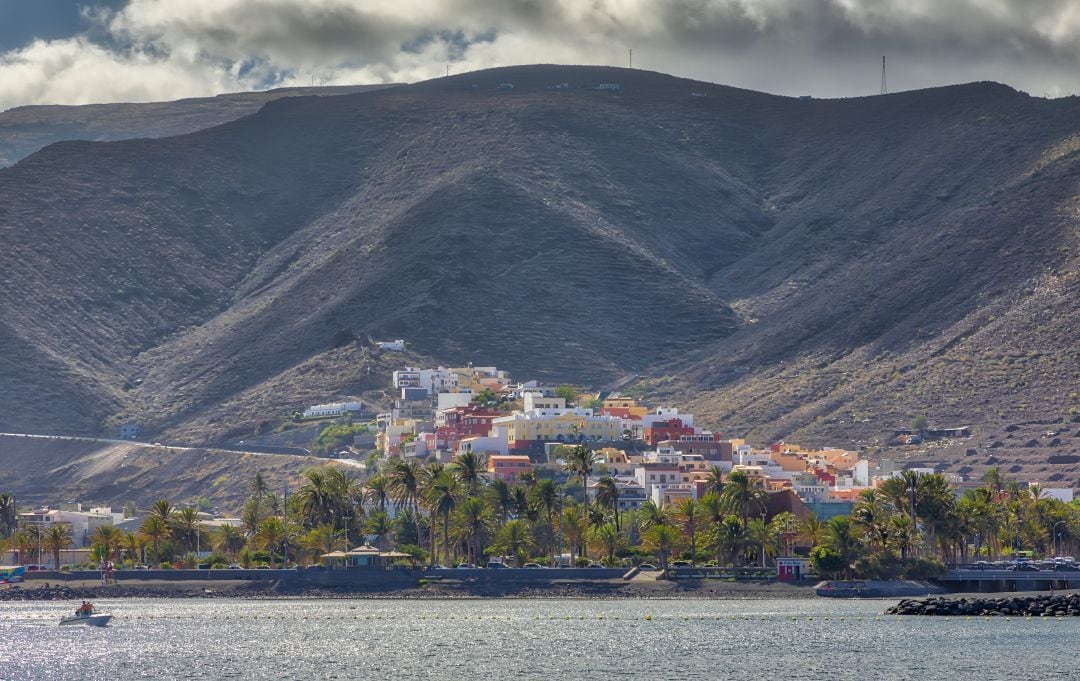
{"x":1043,"y":605}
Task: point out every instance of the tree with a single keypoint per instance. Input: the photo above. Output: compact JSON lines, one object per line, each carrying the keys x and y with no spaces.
{"x":575,"y":525}
{"x":579,"y":461}
{"x":134,"y":545}
{"x":545,"y":497}
{"x":501,"y":497}
{"x":403,"y":480}
{"x":843,"y":538}
{"x":470,"y":468}
{"x":56,"y":539}
{"x":514,"y":539}
{"x":442,"y":495}
{"x":8,"y":516}
{"x":377,"y":492}
{"x":154,"y":528}
{"x":828,"y":562}
{"x":607,"y":495}
{"x":920,"y":424}
{"x":109,"y":538}
{"x":743,"y":497}
{"x":378,"y":525}
{"x":726,"y":539}
{"x":474,"y":520}
{"x":568,"y":393}
{"x":608,"y":539}
{"x":270,"y":536}
{"x":663,"y":540}
{"x":687,"y":514}
{"x":228,"y":539}
{"x":714,"y":481}
{"x":187,"y":528}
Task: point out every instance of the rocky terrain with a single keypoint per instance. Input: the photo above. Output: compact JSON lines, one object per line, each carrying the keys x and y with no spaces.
{"x":41,"y":471}
{"x":815,"y":270}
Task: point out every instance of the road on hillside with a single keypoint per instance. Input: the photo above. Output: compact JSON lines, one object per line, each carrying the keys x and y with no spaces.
{"x":353,"y":463}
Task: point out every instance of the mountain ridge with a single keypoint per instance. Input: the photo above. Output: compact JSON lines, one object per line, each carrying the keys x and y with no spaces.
{"x":670,"y":228}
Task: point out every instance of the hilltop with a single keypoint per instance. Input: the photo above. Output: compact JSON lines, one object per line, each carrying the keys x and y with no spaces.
{"x":25,"y":129}
{"x":783,"y":266}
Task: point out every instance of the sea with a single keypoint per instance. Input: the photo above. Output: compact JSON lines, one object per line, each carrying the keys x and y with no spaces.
{"x":494,"y":640}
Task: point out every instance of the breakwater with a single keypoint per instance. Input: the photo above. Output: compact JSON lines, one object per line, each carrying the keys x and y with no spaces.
{"x":1043,"y":605}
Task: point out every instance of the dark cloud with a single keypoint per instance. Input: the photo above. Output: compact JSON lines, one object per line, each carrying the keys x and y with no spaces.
{"x":821,"y":47}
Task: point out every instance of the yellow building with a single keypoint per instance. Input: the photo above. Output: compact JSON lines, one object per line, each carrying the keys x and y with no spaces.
{"x":559,"y":425}
{"x":624,"y":407}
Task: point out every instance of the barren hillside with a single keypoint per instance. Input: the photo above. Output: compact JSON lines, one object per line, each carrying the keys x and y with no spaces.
{"x":784,"y":266}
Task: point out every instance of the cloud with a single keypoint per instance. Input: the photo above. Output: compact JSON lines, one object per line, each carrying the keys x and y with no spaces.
{"x":164,"y":49}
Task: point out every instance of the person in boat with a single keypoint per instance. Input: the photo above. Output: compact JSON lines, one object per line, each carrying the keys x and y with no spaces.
{"x":85,"y":609}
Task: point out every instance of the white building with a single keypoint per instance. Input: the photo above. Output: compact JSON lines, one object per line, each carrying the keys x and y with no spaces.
{"x":393,"y":346}
{"x":497,"y":443}
{"x":451,"y":400}
{"x":432,"y":380}
{"x":536,"y":400}
{"x":332,"y":409}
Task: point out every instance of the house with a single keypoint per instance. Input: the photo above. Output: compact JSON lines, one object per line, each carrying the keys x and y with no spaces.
{"x":492,"y":445}
{"x":670,"y":429}
{"x":558,"y":425}
{"x":393,"y":346}
{"x":508,"y":467}
{"x":333,"y":409}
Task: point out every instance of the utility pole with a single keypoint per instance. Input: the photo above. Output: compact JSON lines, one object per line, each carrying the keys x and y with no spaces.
{"x":631,"y":57}
{"x":884,"y":85}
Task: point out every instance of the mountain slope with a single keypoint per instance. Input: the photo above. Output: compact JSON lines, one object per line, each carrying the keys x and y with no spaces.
{"x":26,"y":129}
{"x":667,"y":228}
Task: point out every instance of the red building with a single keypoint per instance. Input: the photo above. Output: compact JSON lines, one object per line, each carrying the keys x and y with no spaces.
{"x":458,"y":423}
{"x":672,"y":429}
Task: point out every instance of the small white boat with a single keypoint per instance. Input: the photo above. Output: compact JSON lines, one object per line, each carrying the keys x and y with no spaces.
{"x":93,"y":619}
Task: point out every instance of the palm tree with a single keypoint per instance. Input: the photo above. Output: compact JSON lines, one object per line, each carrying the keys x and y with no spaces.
{"x":714,"y":481}
{"x":726,"y":539}
{"x":270,"y":535}
{"x":608,"y":539}
{"x":317,"y":498}
{"x":377,"y":492}
{"x":163,"y":509}
{"x":872,"y":514}
{"x":442,"y":495}
{"x":501,"y":497}
{"x":470,"y":468}
{"x":56,"y":539}
{"x":229,"y":540}
{"x":186,"y":528}
{"x":475,"y":520}
{"x":403,"y":480}
{"x":762,"y":539}
{"x":663,"y":540}
{"x":843,"y":537}
{"x":687,"y":514}
{"x":8,"y":516}
{"x":379,"y":525}
{"x":574,"y":528}
{"x":579,"y":461}
{"x":652,"y":515}
{"x":743,"y":497}
{"x":607,"y":495}
{"x":514,"y":539}
{"x":546,"y":496}
{"x":155,"y":529}
{"x":109,"y":539}
{"x":134,"y":545}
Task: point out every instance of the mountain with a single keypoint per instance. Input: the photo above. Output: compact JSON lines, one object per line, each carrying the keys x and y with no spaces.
{"x":25,"y":129}
{"x":784,"y":266}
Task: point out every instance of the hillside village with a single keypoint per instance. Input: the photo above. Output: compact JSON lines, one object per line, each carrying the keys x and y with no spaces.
{"x":653,"y":453}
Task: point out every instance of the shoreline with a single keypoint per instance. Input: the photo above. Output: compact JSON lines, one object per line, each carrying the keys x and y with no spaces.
{"x":76,"y":590}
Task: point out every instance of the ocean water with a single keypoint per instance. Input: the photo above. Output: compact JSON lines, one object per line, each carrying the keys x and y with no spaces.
{"x":535,"y":639}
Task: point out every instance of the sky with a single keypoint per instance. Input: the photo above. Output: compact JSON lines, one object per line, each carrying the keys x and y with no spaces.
{"x":89,"y":51}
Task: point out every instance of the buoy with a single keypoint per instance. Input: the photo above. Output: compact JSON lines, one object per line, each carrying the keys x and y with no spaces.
{"x":648,"y":618}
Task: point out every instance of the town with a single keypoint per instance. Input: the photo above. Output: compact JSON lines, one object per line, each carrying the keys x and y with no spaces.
{"x":467,"y":467}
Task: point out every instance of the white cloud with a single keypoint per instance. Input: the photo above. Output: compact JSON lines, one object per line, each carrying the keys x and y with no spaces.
{"x":164,"y":49}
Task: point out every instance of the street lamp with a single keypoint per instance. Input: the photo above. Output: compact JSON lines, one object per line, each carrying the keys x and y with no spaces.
{"x":1058,"y":538}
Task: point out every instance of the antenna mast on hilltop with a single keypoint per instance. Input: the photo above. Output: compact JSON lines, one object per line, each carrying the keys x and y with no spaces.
{"x":631,"y":57}
{"x":884,"y":86}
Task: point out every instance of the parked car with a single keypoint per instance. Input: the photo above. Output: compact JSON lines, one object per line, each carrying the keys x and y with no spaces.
{"x":465,"y":565}
{"x":647,"y":567}
{"x":1066,"y":567}
{"x":236,"y":566}
{"x":141,"y":567}
{"x":1022,"y":567}
{"x":680,"y":563}
{"x":532,"y":565}
{"x":595,"y":564}
{"x":263,"y":567}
